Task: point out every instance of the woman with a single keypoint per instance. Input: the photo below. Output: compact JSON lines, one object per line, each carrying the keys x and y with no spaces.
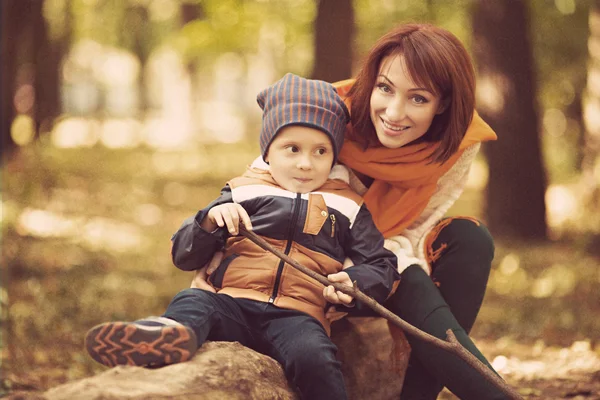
{"x":410,"y":144}
{"x":412,"y":140}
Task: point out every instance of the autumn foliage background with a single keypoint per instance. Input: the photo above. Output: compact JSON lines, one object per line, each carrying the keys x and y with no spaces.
{"x":120,"y":118}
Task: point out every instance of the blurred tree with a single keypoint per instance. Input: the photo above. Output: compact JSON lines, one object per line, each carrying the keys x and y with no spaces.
{"x":507,"y":101}
{"x":559,"y":33}
{"x":334,"y":34}
{"x":9,"y":33}
{"x":49,"y":54}
{"x":189,"y":12}
{"x":139,"y":34}
{"x":138,"y":22}
{"x":590,"y":178}
{"x":30,"y":68}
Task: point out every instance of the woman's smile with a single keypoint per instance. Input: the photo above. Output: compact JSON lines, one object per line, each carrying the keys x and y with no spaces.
{"x":396,"y":130}
{"x":401,"y":110}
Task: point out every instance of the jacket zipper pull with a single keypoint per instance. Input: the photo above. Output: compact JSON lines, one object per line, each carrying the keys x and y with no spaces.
{"x":332,"y":217}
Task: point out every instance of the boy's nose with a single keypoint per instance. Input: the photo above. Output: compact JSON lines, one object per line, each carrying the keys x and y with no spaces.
{"x":304,"y":162}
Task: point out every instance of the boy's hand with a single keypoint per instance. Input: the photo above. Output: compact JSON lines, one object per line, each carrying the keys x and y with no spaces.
{"x":336,"y":297}
{"x":230,"y":215}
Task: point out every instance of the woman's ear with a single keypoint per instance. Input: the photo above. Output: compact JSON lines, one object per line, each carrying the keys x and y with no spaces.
{"x":443,"y":106}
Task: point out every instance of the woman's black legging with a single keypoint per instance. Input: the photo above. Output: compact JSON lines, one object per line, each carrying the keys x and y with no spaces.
{"x":449,"y":299}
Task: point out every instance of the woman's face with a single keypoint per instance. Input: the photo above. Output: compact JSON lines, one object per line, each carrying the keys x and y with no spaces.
{"x":401,"y":111}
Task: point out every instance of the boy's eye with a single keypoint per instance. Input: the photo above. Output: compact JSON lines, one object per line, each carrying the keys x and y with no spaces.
{"x":293,"y":149}
{"x":321,"y":151}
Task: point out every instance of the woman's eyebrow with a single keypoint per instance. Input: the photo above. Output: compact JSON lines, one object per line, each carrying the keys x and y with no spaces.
{"x":386,"y":78}
{"x":420,"y":89}
{"x":410,"y":90}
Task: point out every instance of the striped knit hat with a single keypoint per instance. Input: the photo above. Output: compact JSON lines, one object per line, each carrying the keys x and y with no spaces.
{"x":297,"y":101}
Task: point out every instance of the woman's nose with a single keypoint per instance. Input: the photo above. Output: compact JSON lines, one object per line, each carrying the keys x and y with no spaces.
{"x":396,"y":110}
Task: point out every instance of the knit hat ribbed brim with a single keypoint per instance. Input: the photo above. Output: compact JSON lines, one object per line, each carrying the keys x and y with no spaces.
{"x":294,"y":100}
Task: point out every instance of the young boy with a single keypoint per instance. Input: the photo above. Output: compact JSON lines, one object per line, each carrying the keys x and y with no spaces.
{"x":300,"y":203}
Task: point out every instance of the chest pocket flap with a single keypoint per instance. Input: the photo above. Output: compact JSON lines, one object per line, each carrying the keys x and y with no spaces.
{"x":316,"y":214}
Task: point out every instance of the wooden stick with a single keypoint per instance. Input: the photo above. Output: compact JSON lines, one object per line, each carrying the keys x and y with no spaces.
{"x":451,"y":345}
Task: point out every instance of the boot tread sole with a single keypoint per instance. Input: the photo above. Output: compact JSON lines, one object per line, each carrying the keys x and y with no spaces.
{"x":128,"y":343}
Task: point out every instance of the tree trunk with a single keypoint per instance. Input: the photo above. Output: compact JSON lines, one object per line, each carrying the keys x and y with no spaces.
{"x":137,"y":18}
{"x":10,"y":35}
{"x":48,"y":60}
{"x":507,"y":101}
{"x":29,"y":60}
{"x":591,"y":103}
{"x":590,"y":165}
{"x":334,"y":32}
{"x":189,"y":12}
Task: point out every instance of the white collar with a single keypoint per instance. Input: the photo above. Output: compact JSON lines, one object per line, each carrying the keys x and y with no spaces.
{"x":338,"y":171}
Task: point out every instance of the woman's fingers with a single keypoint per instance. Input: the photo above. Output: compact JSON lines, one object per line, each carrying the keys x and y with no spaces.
{"x":199,"y":281}
{"x":214,"y":263}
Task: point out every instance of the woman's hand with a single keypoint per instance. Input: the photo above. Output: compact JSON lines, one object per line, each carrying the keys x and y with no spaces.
{"x":199,"y":281}
{"x":336,"y":297}
{"x":228,"y":214}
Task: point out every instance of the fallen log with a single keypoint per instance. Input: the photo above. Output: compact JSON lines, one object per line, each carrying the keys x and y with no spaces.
{"x":219,"y":370}
{"x":226,"y":370}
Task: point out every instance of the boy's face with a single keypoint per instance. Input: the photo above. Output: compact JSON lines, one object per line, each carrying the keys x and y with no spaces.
{"x":300,"y":158}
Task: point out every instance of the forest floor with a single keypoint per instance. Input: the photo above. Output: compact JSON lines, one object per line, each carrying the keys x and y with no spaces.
{"x":536,"y":372}
{"x":549,"y":373}
{"x":85,"y":239}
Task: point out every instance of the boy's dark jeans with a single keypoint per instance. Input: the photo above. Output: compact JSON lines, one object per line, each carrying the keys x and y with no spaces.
{"x":295,"y":339}
{"x":461,"y":272}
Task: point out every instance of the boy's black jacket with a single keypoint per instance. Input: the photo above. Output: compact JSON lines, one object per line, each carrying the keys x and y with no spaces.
{"x":318,"y":229}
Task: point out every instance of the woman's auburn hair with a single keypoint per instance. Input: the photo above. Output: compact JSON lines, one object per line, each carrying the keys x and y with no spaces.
{"x":436,"y":60}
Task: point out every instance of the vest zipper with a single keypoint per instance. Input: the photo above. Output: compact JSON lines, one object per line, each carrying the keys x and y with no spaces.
{"x":295,"y":213}
{"x":332,"y":217}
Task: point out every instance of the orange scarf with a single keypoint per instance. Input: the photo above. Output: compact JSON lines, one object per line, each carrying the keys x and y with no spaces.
{"x":403,"y":180}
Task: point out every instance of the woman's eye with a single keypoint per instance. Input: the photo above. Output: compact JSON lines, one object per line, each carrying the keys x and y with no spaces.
{"x":420,"y":99}
{"x":384,"y":87}
{"x":293,"y":149}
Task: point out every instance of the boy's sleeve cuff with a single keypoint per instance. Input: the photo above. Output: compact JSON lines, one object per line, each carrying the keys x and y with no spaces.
{"x":354,"y":275}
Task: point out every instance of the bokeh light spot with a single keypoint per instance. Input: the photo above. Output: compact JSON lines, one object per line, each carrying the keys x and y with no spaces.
{"x":22,"y":130}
